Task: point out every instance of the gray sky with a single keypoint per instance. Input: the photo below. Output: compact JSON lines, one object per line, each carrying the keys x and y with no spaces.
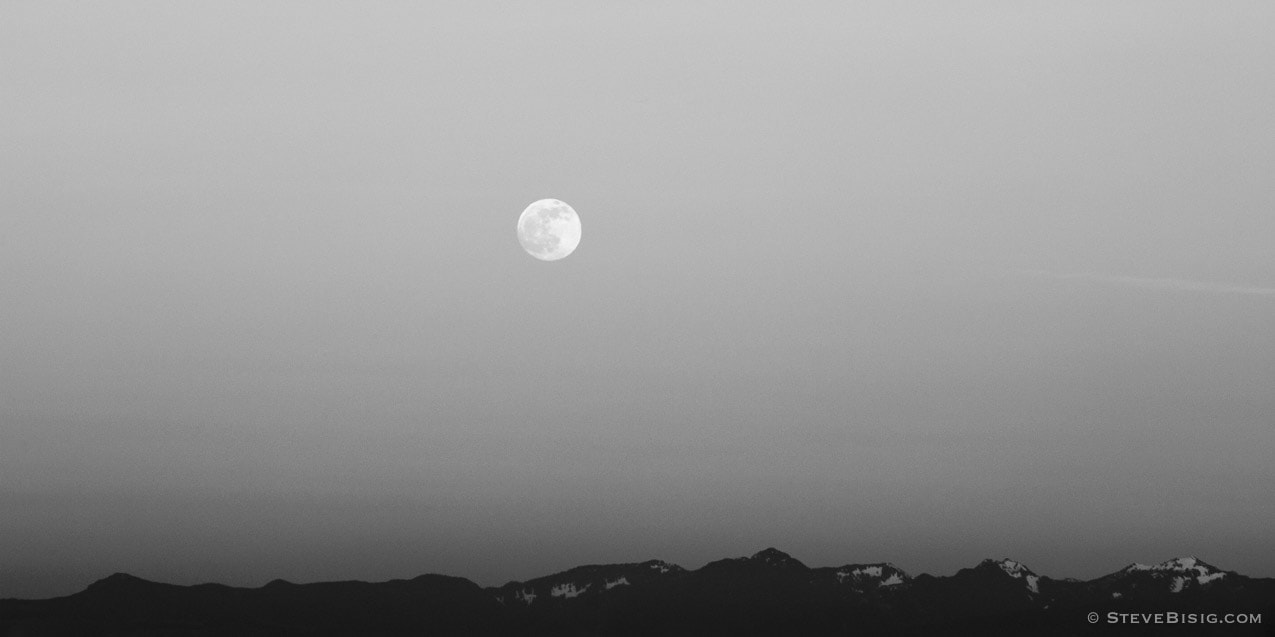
{"x":918,"y":282}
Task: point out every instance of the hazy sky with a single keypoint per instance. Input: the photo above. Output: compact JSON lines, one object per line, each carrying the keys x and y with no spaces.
{"x":922,"y":282}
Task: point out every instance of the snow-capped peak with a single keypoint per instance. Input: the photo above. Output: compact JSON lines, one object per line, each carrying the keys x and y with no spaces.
{"x":1012,"y":568}
{"x":1018,"y":570}
{"x":1176,"y":565}
{"x":1184,"y":570}
{"x":1186,"y":562}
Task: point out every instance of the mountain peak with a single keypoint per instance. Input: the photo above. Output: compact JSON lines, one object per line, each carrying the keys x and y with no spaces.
{"x":116,"y":581}
{"x":775,"y":557}
{"x":1177,"y":565}
{"x":661,"y":566}
{"x":1182,"y":571}
{"x":1187,"y":563}
{"x":1014,"y":569}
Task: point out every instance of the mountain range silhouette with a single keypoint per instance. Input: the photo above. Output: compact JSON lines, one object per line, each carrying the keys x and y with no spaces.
{"x":768,"y":593}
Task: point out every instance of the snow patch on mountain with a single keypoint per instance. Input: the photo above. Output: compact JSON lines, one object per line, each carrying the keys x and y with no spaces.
{"x":659,"y":566}
{"x":527,"y":596}
{"x":1178,"y":583}
{"x":872,"y":572}
{"x":1012,"y":568}
{"x":623,"y":581}
{"x":568,"y":590}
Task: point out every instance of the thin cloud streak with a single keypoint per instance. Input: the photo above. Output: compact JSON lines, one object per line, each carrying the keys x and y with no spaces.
{"x":1150,"y":283}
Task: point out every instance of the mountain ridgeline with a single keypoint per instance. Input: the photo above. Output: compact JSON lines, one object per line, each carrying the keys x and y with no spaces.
{"x":769,"y":593}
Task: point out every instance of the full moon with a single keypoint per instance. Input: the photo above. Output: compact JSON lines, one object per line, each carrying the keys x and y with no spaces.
{"x":549,"y":230}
